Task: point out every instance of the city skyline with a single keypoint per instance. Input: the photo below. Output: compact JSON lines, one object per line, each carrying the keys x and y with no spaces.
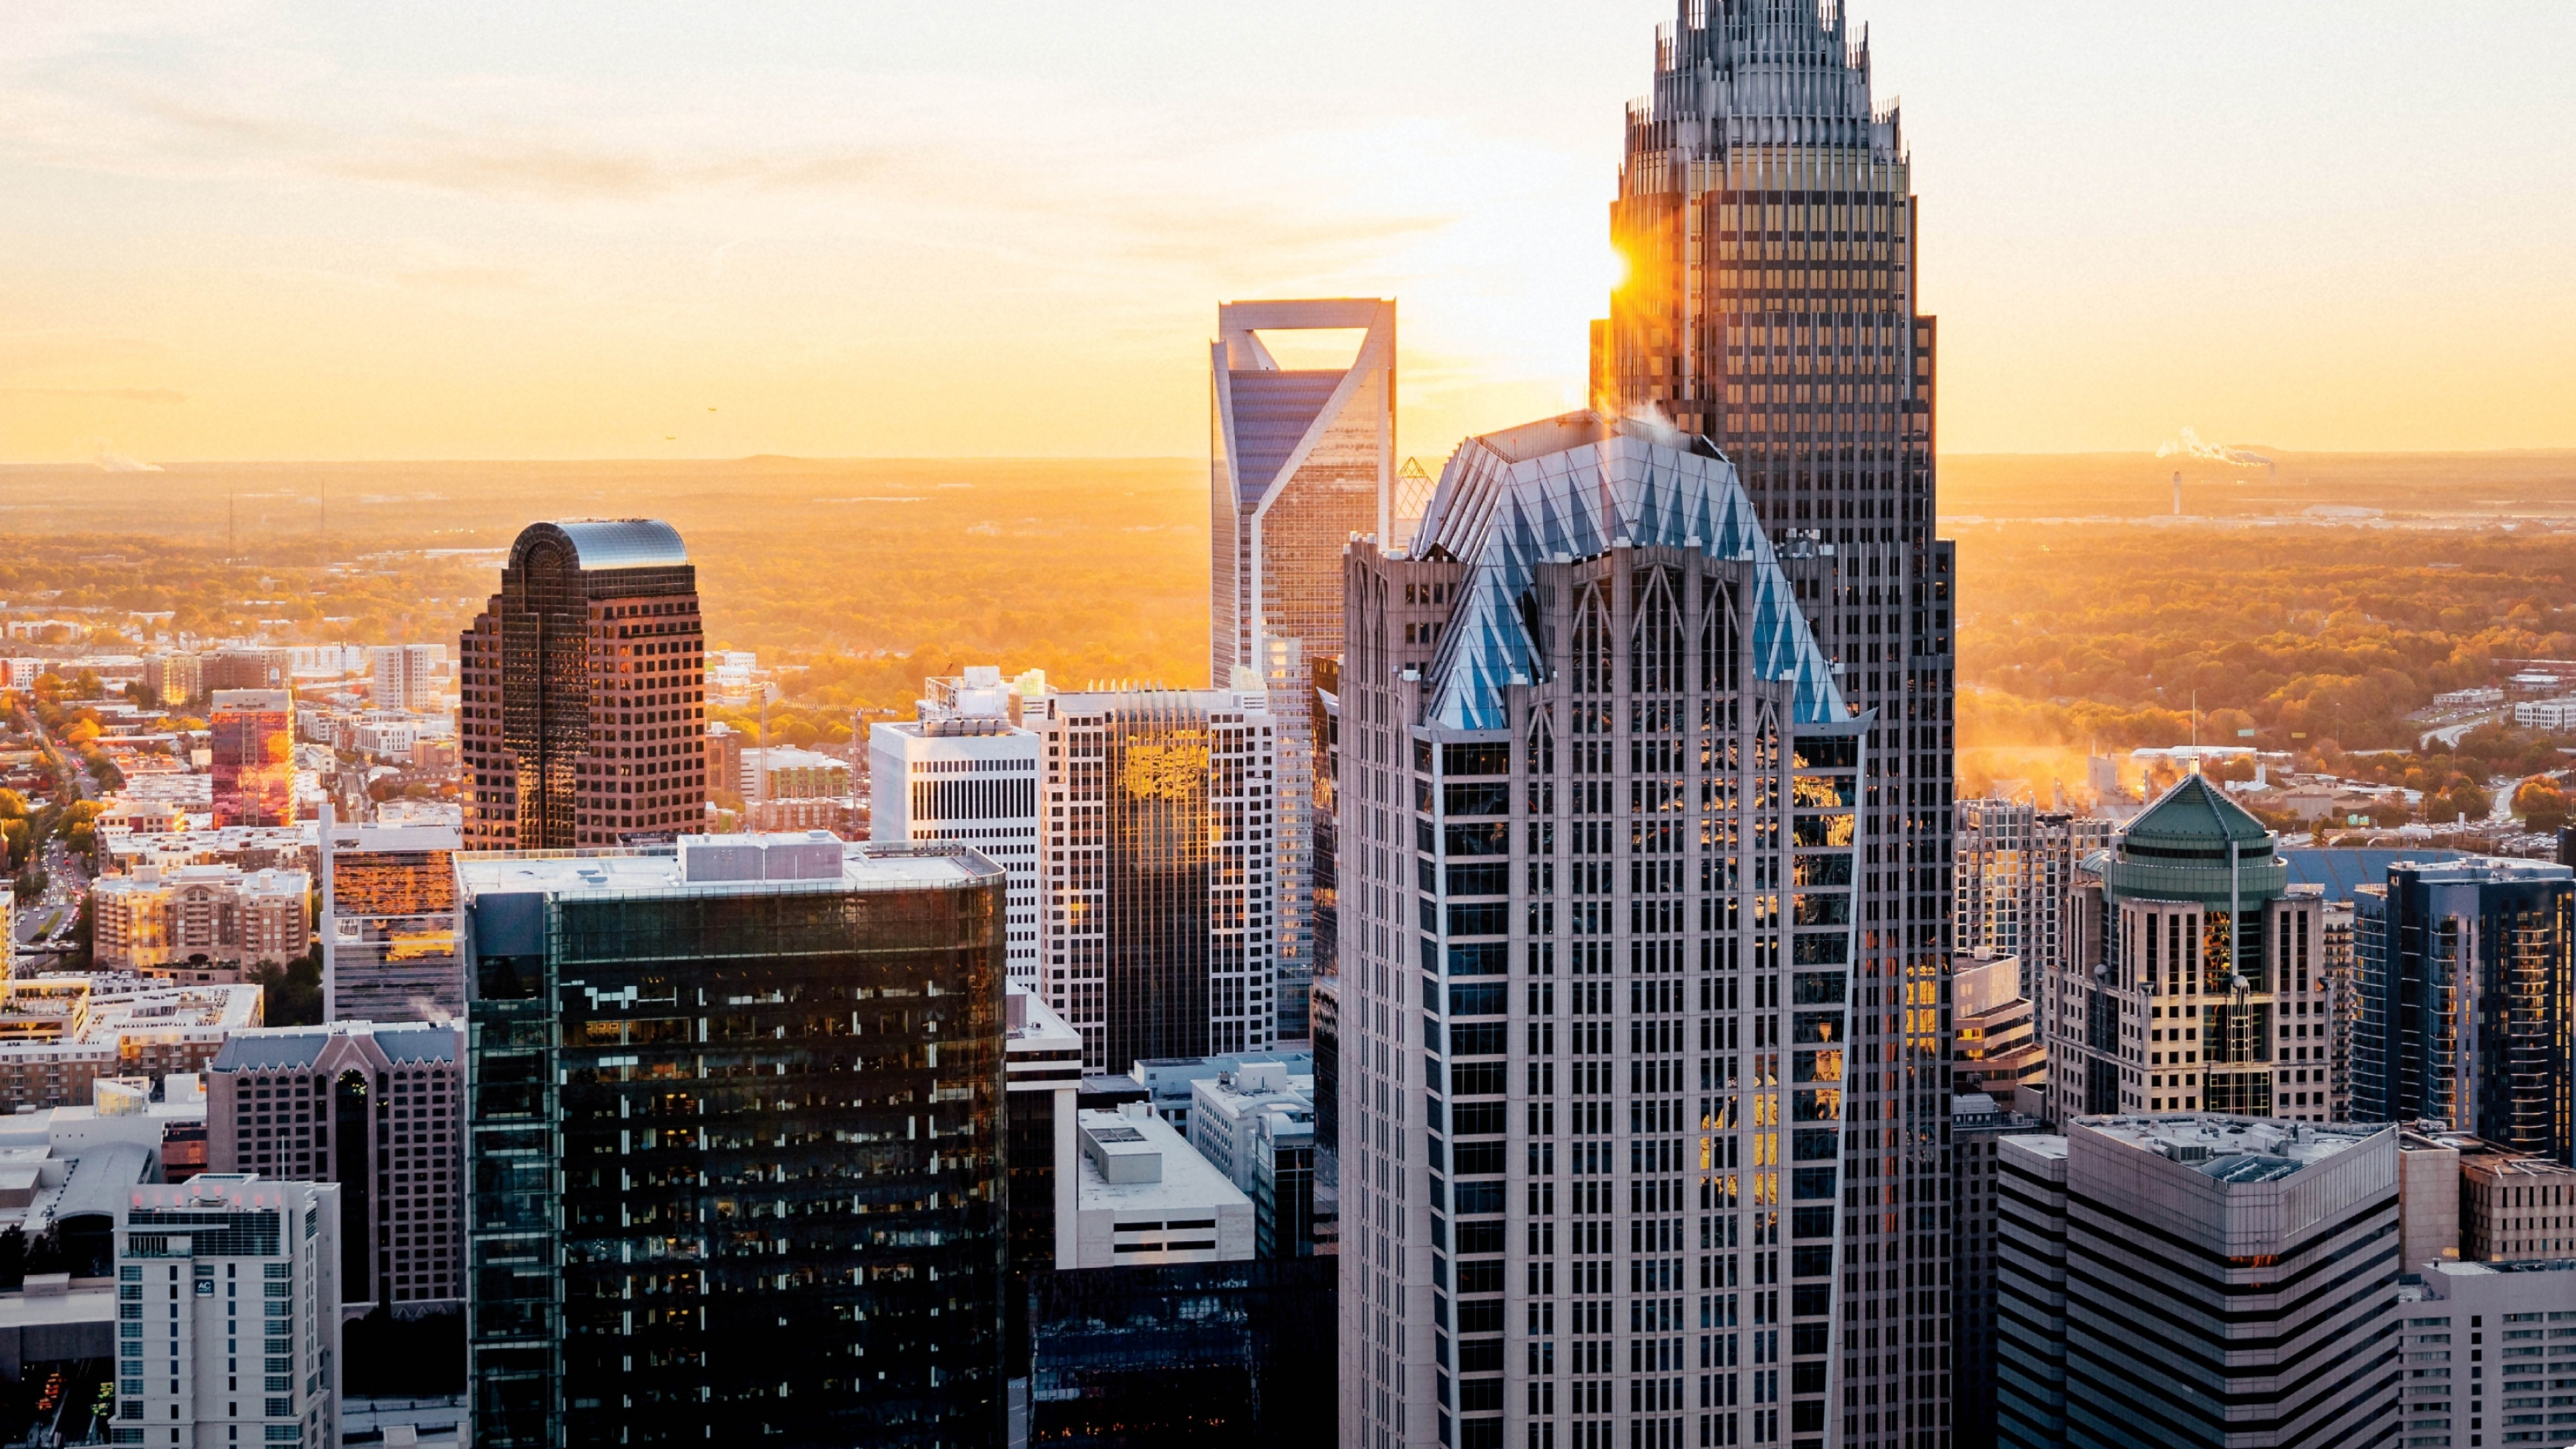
{"x":785,"y":236}
{"x":1582,"y":971}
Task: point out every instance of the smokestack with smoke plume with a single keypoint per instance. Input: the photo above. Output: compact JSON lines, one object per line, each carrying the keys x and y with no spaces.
{"x":108,"y":460}
{"x":2189,"y":445}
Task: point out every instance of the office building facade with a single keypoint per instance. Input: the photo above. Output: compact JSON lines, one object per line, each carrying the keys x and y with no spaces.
{"x":1163,"y":893}
{"x":1604,"y":927}
{"x":582,"y":688}
{"x":1303,"y":458}
{"x":389,"y":924}
{"x":736,"y":1145}
{"x":230,"y":1287}
{"x":2201,"y":975}
{"x":2467,"y":987}
{"x":964,"y":770}
{"x":377,"y":1110}
{"x":251,"y":736}
{"x":2193,"y":1249}
{"x":1994,"y":1048}
{"x":1766,"y":219}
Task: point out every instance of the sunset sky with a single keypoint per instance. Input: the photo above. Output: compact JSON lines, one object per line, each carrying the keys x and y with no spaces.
{"x":246,"y":230}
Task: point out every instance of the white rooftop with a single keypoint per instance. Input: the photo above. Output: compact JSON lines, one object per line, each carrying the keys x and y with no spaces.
{"x":2234,"y":1149}
{"x":724,"y":864}
{"x":1181,"y":1177}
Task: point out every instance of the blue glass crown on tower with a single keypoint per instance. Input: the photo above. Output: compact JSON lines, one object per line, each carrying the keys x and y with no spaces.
{"x":1574,"y":487}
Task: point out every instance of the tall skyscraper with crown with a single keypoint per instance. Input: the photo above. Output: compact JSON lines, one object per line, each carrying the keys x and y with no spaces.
{"x":1768,"y":221}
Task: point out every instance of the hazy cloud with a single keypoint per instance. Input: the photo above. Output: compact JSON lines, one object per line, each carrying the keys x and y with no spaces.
{"x":118,"y":394}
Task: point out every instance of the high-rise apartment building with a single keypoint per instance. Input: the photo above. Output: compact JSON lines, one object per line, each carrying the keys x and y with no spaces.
{"x":251,"y":735}
{"x":1303,"y":459}
{"x":2227,"y":1281}
{"x":2014,"y":877}
{"x":582,"y":683}
{"x":404,"y":676}
{"x":389,"y":924}
{"x":2201,"y":975}
{"x":1161,"y":897}
{"x":230,"y":1285}
{"x":1766,"y":218}
{"x":736,"y":1146}
{"x":964,"y":770}
{"x":377,"y":1110}
{"x":174,"y":678}
{"x":1606,"y":925}
{"x":2467,"y":988}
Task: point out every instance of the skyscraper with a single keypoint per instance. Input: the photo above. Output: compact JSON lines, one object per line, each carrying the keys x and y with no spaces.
{"x":2467,"y":985}
{"x":1604,"y":927}
{"x":1163,"y":879}
{"x":1766,"y":216}
{"x":964,"y":770}
{"x":251,"y":735}
{"x":2202,"y":980}
{"x":582,"y":688}
{"x":736,"y":1144}
{"x":1303,"y":459}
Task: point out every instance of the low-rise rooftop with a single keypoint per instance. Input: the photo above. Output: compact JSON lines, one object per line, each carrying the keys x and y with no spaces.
{"x":724,"y":864}
{"x":2233,"y":1149}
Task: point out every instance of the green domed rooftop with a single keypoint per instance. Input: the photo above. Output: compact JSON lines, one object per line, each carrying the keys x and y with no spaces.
{"x":2183,"y":848}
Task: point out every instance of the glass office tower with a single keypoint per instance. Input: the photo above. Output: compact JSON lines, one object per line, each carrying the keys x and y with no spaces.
{"x":1163,"y":873}
{"x":1767,"y":219}
{"x":1604,"y":931}
{"x":251,"y":737}
{"x":582,"y":688}
{"x":2466,"y":983}
{"x":736,"y":1144}
{"x":1302,"y":458}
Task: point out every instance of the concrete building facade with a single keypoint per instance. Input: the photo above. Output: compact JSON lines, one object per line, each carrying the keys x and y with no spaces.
{"x":964,"y":770}
{"x":199,"y":922}
{"x":380,"y":1112}
{"x":2200,"y":972}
